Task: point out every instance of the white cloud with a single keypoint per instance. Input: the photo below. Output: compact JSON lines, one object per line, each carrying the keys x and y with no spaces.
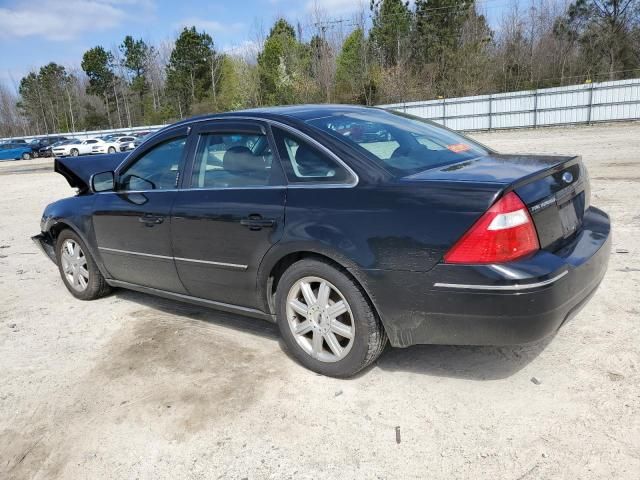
{"x":337,"y":7}
{"x":64,"y":20}
{"x":247,"y":50}
{"x":210,"y":26}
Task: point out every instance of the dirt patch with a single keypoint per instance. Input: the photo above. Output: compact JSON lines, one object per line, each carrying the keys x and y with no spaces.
{"x":617,"y":179}
{"x":622,"y":164}
{"x":221,"y":376}
{"x":25,"y":170}
{"x":169,"y":375}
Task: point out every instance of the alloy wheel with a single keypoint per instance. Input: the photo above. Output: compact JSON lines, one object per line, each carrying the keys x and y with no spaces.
{"x":320,"y":319}
{"x":74,"y":265}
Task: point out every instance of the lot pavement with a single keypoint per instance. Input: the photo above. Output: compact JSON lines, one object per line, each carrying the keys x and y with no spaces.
{"x":132,"y":386}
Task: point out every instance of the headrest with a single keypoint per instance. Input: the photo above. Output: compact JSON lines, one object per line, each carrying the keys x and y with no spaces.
{"x":240,"y":159}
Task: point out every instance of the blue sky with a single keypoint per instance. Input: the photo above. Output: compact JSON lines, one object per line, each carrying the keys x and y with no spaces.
{"x":34,"y":32}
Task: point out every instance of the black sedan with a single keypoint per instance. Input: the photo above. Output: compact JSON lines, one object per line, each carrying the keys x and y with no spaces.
{"x":415,"y":235}
{"x":44,"y":145}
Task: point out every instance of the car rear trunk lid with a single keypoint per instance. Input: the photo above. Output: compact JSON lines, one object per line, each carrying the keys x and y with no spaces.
{"x":554,"y":188}
{"x":557,"y":201}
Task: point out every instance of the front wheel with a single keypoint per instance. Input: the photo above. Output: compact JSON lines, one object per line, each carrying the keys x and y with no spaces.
{"x":112,"y":150}
{"x":74,"y":152}
{"x":326,"y":321}
{"x":78,"y":270}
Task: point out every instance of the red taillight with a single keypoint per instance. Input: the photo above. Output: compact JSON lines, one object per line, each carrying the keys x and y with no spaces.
{"x":504,"y":233}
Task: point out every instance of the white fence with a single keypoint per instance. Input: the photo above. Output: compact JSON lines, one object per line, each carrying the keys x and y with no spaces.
{"x":587,"y":103}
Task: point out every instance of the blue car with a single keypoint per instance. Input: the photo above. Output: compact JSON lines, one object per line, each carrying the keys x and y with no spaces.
{"x":15,"y":151}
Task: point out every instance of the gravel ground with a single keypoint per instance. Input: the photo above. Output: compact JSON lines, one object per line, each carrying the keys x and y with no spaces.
{"x":132,"y":386}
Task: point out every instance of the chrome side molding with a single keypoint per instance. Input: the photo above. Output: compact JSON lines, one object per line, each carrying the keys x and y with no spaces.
{"x":511,"y":288}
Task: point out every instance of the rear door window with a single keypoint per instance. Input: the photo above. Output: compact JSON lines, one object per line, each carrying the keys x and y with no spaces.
{"x":232,"y":160}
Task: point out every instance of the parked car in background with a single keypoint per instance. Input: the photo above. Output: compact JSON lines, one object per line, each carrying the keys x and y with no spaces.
{"x":408,"y":232}
{"x":126,"y":146}
{"x":111,"y":144}
{"x":42,"y":146}
{"x":48,"y":151}
{"x":141,"y":134}
{"x":75,"y":148}
{"x":15,"y":151}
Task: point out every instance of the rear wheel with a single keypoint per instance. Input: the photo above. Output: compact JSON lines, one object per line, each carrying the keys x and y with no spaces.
{"x":326,"y":321}
{"x":112,"y":150}
{"x":26,"y":156}
{"x":74,"y":152}
{"x":78,"y":270}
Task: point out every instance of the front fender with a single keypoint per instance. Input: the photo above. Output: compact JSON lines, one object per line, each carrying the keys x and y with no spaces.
{"x":74,"y":213}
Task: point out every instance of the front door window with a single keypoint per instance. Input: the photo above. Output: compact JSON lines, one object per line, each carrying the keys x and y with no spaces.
{"x":157,"y":169}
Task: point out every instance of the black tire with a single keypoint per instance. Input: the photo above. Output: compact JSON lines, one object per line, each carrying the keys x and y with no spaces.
{"x":112,"y":150}
{"x":74,"y":152}
{"x":96,"y":286}
{"x":370,"y":338}
{"x":26,"y":156}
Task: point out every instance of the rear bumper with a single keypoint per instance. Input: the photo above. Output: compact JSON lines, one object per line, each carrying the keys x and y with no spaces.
{"x":45,"y":243}
{"x":514,"y":303}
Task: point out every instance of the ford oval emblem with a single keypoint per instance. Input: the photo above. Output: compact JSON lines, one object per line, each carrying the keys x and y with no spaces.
{"x":567,"y":177}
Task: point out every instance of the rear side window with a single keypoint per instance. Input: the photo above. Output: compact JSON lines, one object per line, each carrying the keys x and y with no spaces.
{"x":232,"y":160}
{"x":304,"y":163}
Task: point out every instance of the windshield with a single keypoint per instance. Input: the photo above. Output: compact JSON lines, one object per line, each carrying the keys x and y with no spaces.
{"x":400,"y":143}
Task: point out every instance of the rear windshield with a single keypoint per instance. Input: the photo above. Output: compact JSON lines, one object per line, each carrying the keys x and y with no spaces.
{"x":402,"y":144}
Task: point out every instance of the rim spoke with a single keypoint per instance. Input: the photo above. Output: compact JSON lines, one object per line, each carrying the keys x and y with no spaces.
{"x":303,"y":327}
{"x":341,"y":329}
{"x":313,"y":306}
{"x":323,"y":294}
{"x":307,"y":293}
{"x":316,"y":343}
{"x":337,"y":309}
{"x":74,"y":265}
{"x":299,"y":307}
{"x":332,"y":341}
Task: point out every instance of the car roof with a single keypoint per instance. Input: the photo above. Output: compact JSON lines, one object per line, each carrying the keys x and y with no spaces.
{"x":297,"y":112}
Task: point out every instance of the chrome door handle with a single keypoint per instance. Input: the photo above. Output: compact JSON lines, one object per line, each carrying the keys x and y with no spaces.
{"x":151,"y":220}
{"x":257,"y":222}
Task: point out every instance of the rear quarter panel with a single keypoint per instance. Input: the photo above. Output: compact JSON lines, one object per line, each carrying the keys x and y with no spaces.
{"x":398,"y":226}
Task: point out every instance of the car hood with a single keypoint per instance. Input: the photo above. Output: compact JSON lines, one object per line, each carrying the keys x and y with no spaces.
{"x":78,"y":170}
{"x":494,"y":168}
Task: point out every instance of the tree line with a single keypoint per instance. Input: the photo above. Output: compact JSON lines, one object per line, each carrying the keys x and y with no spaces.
{"x":391,"y":52}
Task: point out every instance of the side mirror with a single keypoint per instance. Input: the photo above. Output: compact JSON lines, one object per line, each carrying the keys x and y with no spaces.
{"x":102,"y":182}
